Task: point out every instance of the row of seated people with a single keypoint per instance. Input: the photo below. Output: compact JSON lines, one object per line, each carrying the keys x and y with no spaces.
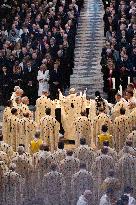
{"x":63,"y":176}
{"x":119,"y":52}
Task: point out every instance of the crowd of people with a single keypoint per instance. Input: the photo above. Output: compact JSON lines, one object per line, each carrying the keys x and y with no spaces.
{"x":36,"y":167}
{"x":119,"y":52}
{"x":37,"y":44}
{"x":36,"y":60}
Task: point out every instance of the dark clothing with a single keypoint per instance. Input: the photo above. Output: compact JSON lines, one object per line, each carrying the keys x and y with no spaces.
{"x":5,"y":87}
{"x":55,"y":83}
{"x":30,"y":84}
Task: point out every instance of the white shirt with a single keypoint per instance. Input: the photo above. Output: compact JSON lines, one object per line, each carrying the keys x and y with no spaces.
{"x":82,"y":201}
{"x":132,"y":200}
{"x":104,"y":200}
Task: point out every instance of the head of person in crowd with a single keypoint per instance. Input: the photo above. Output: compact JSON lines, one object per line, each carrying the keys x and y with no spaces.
{"x":88,"y":195}
{"x":26,"y":115}
{"x":130,"y":87}
{"x":104,"y":150}
{"x":119,"y":202}
{"x":97,"y":94}
{"x":128,"y":190}
{"x":129,"y":94}
{"x":111,"y":173}
{"x":37,"y":134}
{"x":69,"y":153}
{"x":104,"y":128}
{"x":4,"y":69}
{"x":19,"y":92}
{"x":110,"y":193}
{"x":122,"y":111}
{"x":82,"y":141}
{"x":44,"y":147}
{"x":25,"y":100}
{"x":18,"y":100}
{"x":118,"y":97}
{"x":21,"y":150}
{"x":106,"y":143}
{"x":83,"y":113}
{"x":125,"y":199}
{"x":82,"y":166}
{"x":14,"y":111}
{"x":48,"y":111}
{"x":9,"y":103}
{"x":12,"y":167}
{"x":72,"y":91}
{"x":45,"y":92}
{"x":129,"y":143}
{"x":53,"y":167}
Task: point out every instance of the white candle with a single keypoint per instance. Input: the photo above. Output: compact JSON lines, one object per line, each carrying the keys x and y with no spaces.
{"x":84,"y":95}
{"x":128,"y":80}
{"x":120,"y":89}
{"x":80,"y":93}
{"x":113,"y":83}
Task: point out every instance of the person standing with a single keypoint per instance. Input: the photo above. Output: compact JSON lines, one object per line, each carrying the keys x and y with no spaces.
{"x":6,"y":114}
{"x":54,"y":187}
{"x":81,"y":181}
{"x":43,"y":78}
{"x":108,"y":198}
{"x":5,"y":85}
{"x":121,"y":129}
{"x":68,"y":167}
{"x":30,"y":82}
{"x":55,"y":81}
{"x":85,"y":198}
{"x":50,"y":130}
{"x":12,"y":128}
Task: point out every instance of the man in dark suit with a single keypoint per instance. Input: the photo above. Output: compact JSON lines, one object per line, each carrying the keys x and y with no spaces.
{"x":5,"y":85}
{"x":55,"y":81}
{"x":30,"y":82}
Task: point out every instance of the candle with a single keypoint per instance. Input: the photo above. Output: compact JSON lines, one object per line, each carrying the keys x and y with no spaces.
{"x":80,"y":93}
{"x":84,"y":95}
{"x":120,"y":89}
{"x":113,"y":83}
{"x":128,"y":80}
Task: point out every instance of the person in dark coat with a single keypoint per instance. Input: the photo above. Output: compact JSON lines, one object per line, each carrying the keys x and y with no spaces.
{"x":30,"y":82}
{"x":55,"y":81}
{"x":5,"y":85}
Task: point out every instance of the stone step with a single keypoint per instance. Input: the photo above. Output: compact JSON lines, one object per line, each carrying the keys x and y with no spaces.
{"x":89,"y":42}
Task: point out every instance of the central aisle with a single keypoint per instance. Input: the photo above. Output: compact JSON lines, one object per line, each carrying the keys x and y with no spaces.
{"x":89,"y":42}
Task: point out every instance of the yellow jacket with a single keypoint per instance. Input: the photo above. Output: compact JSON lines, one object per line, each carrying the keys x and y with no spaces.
{"x":35,"y":145}
{"x":104,"y":137}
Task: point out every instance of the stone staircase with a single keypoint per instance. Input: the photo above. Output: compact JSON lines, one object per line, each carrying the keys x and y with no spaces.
{"x":89,"y":42}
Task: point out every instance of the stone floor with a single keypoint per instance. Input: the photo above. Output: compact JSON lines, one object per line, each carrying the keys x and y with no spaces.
{"x":89,"y":42}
